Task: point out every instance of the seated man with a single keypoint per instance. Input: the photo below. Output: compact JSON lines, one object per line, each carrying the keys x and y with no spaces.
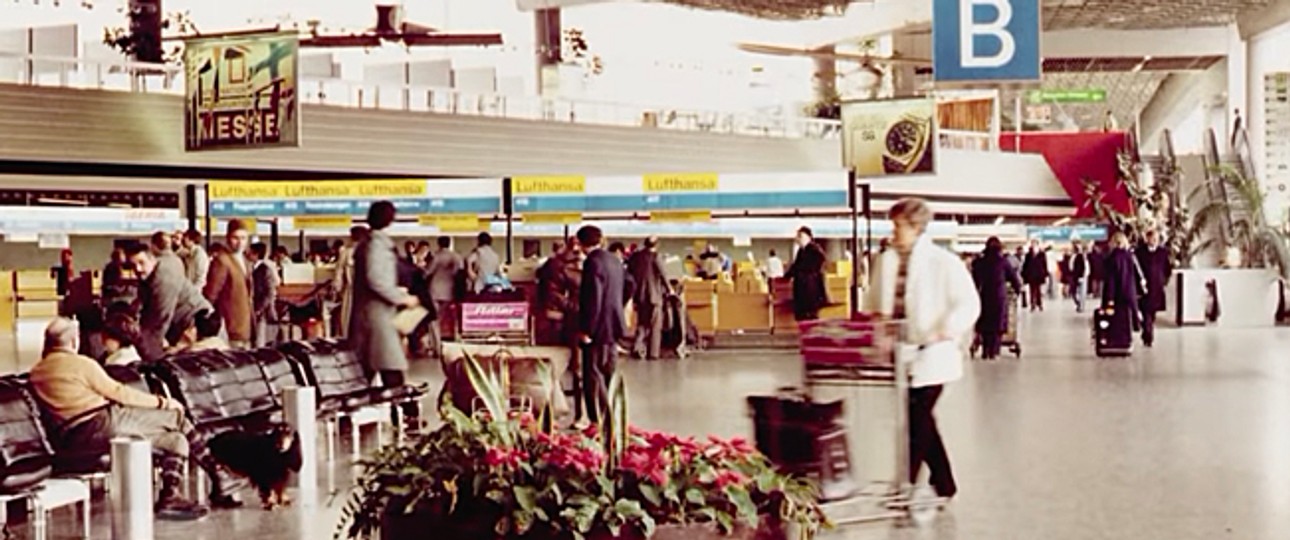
{"x":208,"y":325}
{"x":119,"y":337}
{"x":90,"y":408}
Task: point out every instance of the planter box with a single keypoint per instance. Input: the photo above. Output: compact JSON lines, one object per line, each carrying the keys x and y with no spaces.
{"x":416,"y":526}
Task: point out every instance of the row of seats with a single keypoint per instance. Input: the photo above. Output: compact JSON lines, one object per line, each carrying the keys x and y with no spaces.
{"x":221,"y":390}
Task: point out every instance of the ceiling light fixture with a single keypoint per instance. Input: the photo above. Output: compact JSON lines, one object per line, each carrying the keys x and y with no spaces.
{"x":998,"y":221}
{"x":64,"y":202}
{"x":1062,"y":221}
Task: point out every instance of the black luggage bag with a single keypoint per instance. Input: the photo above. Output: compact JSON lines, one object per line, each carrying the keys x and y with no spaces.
{"x":805,"y":437}
{"x":1112,"y":332}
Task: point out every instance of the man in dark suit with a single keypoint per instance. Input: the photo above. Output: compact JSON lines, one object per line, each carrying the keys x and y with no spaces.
{"x":1034,"y":271}
{"x":1153,"y":262}
{"x":646,"y":270}
{"x":264,"y":295}
{"x":601,"y":319}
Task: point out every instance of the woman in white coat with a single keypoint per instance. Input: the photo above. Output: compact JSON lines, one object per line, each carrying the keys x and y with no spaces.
{"x":929,"y":288}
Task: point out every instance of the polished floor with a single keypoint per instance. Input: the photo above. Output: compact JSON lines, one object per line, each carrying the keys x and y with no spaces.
{"x":1189,"y":440}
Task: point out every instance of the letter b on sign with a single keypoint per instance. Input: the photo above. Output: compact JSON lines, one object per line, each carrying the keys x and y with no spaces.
{"x":986,"y":40}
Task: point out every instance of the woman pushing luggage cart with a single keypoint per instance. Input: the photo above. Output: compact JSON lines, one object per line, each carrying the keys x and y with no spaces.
{"x":924,"y":304}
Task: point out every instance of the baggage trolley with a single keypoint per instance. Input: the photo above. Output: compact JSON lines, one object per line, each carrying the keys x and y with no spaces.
{"x":867,"y":352}
{"x":1011,"y":338}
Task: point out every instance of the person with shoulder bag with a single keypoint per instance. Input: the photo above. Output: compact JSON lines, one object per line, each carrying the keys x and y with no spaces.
{"x":931,"y":290}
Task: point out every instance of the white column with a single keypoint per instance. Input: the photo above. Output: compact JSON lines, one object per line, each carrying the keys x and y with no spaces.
{"x":131,"y":489}
{"x":302,"y":415}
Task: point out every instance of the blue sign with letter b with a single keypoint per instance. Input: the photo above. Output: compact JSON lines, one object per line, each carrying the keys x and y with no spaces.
{"x":986,"y":40}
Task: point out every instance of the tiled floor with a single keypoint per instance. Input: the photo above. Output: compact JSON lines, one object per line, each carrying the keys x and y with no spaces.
{"x":1190,"y":440}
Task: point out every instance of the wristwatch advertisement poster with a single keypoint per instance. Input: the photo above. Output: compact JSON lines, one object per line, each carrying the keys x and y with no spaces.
{"x":889,"y":137}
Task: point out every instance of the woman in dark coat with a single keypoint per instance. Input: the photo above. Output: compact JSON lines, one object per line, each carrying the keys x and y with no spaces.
{"x":807,"y":273}
{"x":993,"y":274}
{"x":1120,"y":290}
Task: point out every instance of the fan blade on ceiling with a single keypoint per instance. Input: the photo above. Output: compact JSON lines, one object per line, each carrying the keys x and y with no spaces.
{"x":825,"y":53}
{"x":359,"y":40}
{"x":452,"y":39}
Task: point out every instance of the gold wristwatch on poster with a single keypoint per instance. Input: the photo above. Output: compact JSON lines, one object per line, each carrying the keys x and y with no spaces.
{"x":906,"y":143}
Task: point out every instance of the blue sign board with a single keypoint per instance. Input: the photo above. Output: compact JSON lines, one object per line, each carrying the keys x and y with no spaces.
{"x":986,"y":40}
{"x":1088,"y":233}
{"x":342,"y":207}
{"x":679,"y":201}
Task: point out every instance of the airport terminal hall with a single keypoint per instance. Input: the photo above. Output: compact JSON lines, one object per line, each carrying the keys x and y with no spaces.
{"x":645,"y":270}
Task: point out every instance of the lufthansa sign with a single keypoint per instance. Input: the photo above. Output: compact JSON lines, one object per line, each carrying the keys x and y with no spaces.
{"x":986,"y":40}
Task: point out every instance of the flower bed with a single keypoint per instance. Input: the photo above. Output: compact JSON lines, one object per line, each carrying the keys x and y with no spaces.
{"x":496,"y":474}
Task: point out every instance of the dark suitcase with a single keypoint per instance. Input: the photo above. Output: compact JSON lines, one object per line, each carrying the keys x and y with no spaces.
{"x":805,"y":438}
{"x":1112,"y":332}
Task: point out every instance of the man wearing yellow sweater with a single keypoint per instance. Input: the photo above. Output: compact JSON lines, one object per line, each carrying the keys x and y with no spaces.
{"x":90,"y":408}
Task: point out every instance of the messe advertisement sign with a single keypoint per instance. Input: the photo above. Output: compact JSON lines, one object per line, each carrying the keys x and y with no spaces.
{"x":242,"y":92}
{"x":986,"y":40}
{"x":565,"y":197}
{"x":242,"y":199}
{"x":889,"y":137}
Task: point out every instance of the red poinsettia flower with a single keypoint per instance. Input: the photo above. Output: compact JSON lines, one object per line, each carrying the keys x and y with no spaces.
{"x":504,"y":457}
{"x":726,"y":479}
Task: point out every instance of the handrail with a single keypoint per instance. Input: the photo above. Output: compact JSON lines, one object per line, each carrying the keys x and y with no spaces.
{"x":69,"y":72}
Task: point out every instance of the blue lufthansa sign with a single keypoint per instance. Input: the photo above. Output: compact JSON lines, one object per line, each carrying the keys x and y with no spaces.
{"x":986,"y":40}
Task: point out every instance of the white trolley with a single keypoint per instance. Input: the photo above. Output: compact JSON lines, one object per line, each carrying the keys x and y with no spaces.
{"x":867,"y":352}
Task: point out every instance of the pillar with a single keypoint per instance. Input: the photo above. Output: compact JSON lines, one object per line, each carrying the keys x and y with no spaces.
{"x":131,"y":489}
{"x":301,"y":412}
{"x":549,"y":35}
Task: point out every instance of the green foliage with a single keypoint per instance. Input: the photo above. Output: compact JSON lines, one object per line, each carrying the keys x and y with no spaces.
{"x":511,"y":473}
{"x":1261,"y":244}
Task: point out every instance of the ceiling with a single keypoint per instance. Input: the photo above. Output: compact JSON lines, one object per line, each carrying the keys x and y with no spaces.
{"x":1127,"y":93}
{"x":1143,"y":14}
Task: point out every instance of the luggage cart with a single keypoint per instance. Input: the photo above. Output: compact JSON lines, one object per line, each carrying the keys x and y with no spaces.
{"x":860,"y":353}
{"x":1011,"y":338}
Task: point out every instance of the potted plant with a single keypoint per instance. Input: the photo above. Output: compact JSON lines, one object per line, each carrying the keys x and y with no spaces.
{"x":1240,"y":213}
{"x":505,"y":474}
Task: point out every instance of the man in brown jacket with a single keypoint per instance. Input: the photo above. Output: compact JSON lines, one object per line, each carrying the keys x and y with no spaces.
{"x":228,"y":285}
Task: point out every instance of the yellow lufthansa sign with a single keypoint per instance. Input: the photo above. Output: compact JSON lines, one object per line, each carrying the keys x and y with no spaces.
{"x":680,"y":216}
{"x":662,"y":183}
{"x":452,"y":222}
{"x":531,"y":185}
{"x":322,"y":222}
{"x":561,"y":218}
{"x":341,"y":189}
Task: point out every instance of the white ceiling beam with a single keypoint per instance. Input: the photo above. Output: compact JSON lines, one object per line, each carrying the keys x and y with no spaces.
{"x":1093,"y":43}
{"x":1256,"y":22}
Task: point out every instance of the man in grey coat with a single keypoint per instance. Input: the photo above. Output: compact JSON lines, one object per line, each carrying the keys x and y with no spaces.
{"x":483,"y":263}
{"x":377,"y":298}
{"x":443,"y":269}
{"x":168,"y":302}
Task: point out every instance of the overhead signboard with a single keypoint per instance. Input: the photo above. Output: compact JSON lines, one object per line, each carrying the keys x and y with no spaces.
{"x":1075,"y":95}
{"x":30,"y":221}
{"x":242,"y":92}
{"x":1088,"y":233}
{"x":353,"y":197}
{"x":453,"y":222}
{"x":986,"y":40}
{"x":889,"y":137}
{"x":677,"y":192}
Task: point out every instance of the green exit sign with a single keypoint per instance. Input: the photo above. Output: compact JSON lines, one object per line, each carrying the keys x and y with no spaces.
{"x":1084,"y":95}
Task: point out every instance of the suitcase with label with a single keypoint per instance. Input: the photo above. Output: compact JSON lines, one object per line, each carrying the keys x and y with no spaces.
{"x":1112,"y":332}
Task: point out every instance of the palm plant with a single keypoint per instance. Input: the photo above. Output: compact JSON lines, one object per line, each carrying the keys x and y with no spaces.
{"x":1243,"y":219}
